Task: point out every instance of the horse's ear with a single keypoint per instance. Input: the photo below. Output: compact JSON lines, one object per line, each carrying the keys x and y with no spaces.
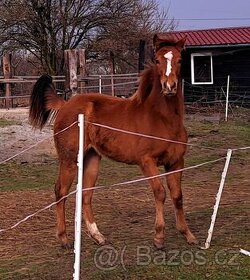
{"x":155,"y":39}
{"x":157,"y":42}
{"x":181,"y":43}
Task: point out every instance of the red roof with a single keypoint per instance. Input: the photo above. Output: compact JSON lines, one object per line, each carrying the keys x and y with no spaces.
{"x":219,"y":36}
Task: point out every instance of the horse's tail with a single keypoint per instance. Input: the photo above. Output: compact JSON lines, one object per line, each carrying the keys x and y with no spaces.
{"x":44,"y":101}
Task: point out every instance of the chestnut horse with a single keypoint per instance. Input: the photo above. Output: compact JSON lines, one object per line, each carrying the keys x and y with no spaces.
{"x":155,"y":109}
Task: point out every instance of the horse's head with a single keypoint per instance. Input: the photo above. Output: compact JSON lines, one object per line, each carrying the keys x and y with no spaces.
{"x":168,"y":61}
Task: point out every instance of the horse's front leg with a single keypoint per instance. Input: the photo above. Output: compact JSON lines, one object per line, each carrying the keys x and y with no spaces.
{"x":149,"y":168}
{"x":174,"y":185}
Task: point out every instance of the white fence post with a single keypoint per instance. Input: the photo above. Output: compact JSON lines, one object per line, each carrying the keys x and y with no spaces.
{"x":218,"y":197}
{"x":78,"y":211}
{"x":245,"y":252}
{"x":227,"y":96}
{"x":100,"y":84}
{"x":112,"y":84}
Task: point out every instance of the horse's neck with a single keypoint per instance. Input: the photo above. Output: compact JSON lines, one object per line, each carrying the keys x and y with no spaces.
{"x":149,"y":94}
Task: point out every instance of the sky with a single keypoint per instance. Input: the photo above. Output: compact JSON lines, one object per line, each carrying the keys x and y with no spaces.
{"x":187,"y":12}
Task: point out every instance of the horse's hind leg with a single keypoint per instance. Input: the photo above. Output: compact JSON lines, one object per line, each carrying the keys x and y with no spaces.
{"x":149,"y":168}
{"x":174,"y":185}
{"x":91,"y":169}
{"x":66,"y":176}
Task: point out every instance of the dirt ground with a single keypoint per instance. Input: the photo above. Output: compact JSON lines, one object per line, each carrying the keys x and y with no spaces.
{"x":20,"y":136}
{"x":126,"y":216}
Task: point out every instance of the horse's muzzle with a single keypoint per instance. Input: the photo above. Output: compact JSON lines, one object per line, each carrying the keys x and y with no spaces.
{"x":169,"y":90}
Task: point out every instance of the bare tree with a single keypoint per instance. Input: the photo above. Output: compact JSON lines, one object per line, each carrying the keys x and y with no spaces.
{"x":45,"y":28}
{"x":122,"y":33}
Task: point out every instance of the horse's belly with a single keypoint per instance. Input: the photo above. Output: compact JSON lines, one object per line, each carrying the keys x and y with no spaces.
{"x":115,"y":146}
{"x":117,"y":153}
{"x":132,"y":148}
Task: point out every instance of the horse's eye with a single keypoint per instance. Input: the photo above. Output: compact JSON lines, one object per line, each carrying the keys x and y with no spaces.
{"x":179,"y":61}
{"x":157,"y":61}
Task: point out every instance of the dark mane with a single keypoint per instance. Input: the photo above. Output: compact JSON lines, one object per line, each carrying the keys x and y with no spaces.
{"x":145,"y":83}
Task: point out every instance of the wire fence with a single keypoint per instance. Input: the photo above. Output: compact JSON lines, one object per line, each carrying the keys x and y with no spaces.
{"x":211,"y":98}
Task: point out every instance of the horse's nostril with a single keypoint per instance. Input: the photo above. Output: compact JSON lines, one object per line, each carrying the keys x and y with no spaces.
{"x":169,"y":87}
{"x":174,"y":86}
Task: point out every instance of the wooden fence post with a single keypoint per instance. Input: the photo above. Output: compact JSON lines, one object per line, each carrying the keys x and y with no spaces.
{"x":82,"y":69}
{"x":7,"y":75}
{"x":70,"y":57}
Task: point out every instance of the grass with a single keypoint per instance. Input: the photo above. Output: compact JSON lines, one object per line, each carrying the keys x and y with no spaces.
{"x":111,"y":172}
{"x":28,"y":176}
{"x":229,"y":134}
{"x":200,"y":265}
{"x":126,"y":215}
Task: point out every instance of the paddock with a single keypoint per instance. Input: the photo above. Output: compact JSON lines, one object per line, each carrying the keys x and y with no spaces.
{"x":126,"y":214}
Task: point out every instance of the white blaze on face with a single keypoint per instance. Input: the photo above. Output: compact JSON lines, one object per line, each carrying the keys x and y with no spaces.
{"x":169,"y":57}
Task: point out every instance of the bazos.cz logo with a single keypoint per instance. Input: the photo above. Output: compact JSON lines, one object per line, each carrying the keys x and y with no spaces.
{"x":109,"y":258}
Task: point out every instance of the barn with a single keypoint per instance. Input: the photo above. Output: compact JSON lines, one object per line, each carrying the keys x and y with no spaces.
{"x":215,"y":58}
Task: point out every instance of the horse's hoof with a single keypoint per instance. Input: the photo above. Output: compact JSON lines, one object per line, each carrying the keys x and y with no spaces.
{"x":63,"y":239}
{"x":159,"y":244}
{"x":192,"y":241}
{"x":100,"y":239}
{"x":68,"y":246}
{"x":103,"y":242}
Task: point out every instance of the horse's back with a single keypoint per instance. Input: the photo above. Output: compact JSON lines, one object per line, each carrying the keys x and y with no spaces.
{"x":96,"y":108}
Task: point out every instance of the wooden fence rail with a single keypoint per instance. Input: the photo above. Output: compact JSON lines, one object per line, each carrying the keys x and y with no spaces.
{"x":122,"y":85}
